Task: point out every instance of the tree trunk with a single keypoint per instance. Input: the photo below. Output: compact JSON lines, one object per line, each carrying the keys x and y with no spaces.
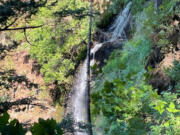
{"x":88,"y":65}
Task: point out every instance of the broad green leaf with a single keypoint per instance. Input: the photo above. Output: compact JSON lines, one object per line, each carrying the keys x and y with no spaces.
{"x":172,"y":108}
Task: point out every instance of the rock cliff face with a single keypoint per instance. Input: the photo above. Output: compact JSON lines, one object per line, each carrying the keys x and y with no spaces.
{"x":23,"y":92}
{"x":103,"y":53}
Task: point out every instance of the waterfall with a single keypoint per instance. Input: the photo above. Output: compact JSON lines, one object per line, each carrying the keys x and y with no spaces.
{"x":93,"y":52}
{"x":121,"y":22}
{"x":80,"y":99}
{"x":80,"y":96}
{"x":117,"y":30}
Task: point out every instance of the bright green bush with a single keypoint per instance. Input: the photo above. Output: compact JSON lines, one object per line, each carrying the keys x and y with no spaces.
{"x":60,"y":44}
{"x":125,"y":107}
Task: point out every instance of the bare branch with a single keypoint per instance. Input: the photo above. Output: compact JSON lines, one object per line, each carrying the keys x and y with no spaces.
{"x":11,"y":23}
{"x":21,"y":28}
{"x":27,"y":38}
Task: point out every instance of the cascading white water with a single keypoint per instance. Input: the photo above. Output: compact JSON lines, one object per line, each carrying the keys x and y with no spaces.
{"x":121,"y":22}
{"x":80,"y":96}
{"x":117,"y":30}
{"x":80,"y":99}
{"x":93,"y":52}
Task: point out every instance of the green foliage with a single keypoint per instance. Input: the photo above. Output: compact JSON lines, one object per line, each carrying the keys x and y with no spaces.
{"x":121,"y":96}
{"x":174,"y":74}
{"x":122,"y":64}
{"x":152,"y":22}
{"x":12,"y":9}
{"x":168,"y":121}
{"x":125,"y":107}
{"x":77,"y":13}
{"x":137,"y":5}
{"x":12,"y":127}
{"x":43,"y":127}
{"x":60,"y":44}
{"x":46,"y":127}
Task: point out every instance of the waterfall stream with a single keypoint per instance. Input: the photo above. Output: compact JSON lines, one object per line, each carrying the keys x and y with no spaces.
{"x":80,"y":99}
{"x":118,"y":27}
{"x":80,"y":96}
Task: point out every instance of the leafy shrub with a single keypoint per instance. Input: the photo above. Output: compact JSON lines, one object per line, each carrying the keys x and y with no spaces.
{"x":46,"y":127}
{"x":59,"y":45}
{"x":174,"y":74}
{"x":113,"y":97}
{"x":121,"y":96}
{"x":12,"y":127}
{"x":43,"y":127}
{"x":129,"y":61}
{"x":124,"y":107}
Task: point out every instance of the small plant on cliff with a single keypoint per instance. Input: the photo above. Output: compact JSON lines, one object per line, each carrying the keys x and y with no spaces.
{"x":174,"y":74}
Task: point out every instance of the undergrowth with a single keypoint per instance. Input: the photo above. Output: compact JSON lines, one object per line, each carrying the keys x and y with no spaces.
{"x":121,"y":96}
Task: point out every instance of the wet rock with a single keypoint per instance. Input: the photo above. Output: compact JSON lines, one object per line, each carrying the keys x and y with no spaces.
{"x":103,"y":52}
